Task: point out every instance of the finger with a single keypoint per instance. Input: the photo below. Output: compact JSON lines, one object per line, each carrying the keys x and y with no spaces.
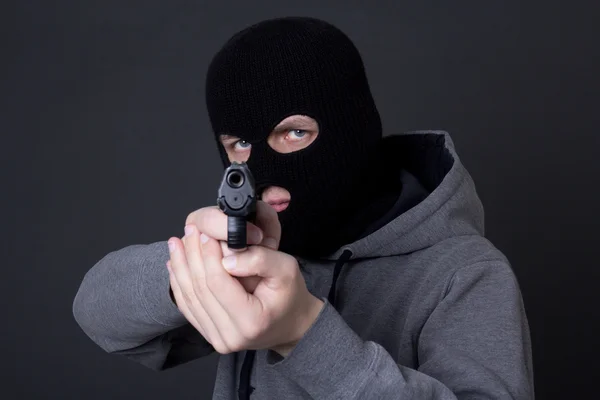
{"x":180,"y":270}
{"x":213,"y":222}
{"x":203,"y":323}
{"x":201,"y":277}
{"x":181,"y":304}
{"x":261,"y":261}
{"x":227,"y":290}
{"x":268,"y":220}
{"x":225,"y":249}
{"x":187,"y":292}
{"x":249,"y":283}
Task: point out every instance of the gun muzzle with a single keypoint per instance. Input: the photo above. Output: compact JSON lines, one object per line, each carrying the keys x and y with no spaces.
{"x":237,"y":199}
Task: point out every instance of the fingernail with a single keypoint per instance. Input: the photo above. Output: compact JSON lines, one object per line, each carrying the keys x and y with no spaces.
{"x":229,"y":262}
{"x":203,"y":238}
{"x":169,"y":265}
{"x":171,"y":246}
{"x":188,"y":230}
{"x":255,"y":236}
{"x":270,"y":243}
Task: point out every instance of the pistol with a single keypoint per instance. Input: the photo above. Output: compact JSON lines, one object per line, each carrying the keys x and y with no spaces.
{"x":237,"y":199}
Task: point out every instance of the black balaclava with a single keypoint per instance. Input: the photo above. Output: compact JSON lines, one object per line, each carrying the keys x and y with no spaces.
{"x":287,"y":66}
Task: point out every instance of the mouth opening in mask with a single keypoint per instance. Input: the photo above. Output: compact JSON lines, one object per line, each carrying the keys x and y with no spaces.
{"x":277,"y":197}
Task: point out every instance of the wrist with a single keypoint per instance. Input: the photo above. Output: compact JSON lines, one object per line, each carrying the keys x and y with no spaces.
{"x":305,"y":321}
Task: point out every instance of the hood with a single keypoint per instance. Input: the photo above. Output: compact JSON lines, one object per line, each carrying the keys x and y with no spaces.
{"x":451,"y":209}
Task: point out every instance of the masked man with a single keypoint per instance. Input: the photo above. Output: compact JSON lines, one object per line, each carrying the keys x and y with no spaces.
{"x":367,"y":275}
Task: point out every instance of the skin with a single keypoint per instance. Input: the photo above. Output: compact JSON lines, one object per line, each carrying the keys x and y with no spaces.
{"x":254,"y":299}
{"x":292,"y":134}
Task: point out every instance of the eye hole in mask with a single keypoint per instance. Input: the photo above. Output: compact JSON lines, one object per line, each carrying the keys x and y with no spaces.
{"x":292,"y":134}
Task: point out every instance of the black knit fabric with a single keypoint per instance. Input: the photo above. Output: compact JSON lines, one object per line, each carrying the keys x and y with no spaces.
{"x":305,"y":66}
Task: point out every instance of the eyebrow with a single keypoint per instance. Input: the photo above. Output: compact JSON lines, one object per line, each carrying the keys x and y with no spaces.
{"x":292,"y":122}
{"x":225,"y":137}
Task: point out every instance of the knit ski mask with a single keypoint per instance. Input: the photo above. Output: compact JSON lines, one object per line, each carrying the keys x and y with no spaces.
{"x":288,"y":66}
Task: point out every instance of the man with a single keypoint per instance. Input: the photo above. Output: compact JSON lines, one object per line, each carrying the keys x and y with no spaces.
{"x":367,"y":274}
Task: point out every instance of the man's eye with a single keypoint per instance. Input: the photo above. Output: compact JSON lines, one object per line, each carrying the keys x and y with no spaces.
{"x":242,"y":145}
{"x":297,"y":134}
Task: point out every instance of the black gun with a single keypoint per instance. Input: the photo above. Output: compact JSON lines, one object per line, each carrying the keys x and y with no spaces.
{"x":237,"y":199}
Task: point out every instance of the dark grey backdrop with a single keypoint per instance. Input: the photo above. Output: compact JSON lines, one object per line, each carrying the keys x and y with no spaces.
{"x":103,"y":123}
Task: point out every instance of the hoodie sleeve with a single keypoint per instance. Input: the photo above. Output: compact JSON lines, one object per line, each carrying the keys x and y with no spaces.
{"x":474,"y":345}
{"x":124,"y":306}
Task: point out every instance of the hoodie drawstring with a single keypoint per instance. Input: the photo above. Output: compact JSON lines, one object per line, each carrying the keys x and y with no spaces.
{"x":245,"y":390}
{"x":346,"y":254}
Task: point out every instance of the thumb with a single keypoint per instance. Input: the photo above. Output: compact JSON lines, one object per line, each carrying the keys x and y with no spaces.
{"x":268,"y":220}
{"x":259,"y":261}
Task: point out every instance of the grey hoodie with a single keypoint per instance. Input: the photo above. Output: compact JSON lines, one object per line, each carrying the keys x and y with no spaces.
{"x":424,"y":307}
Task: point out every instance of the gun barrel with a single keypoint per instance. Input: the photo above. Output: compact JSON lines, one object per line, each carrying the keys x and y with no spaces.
{"x":237,"y":199}
{"x":235,"y":179}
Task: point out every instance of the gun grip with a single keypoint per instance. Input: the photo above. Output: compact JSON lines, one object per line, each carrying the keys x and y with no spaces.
{"x":236,"y":233}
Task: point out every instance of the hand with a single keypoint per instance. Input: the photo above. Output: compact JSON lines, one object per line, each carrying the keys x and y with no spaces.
{"x":266,"y":232}
{"x":275,"y":316}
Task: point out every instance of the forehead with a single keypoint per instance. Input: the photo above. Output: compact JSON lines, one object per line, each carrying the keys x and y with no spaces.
{"x":296,"y":119}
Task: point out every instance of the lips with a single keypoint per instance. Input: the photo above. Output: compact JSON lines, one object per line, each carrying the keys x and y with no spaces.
{"x":279,"y":206}
{"x":276,"y":197}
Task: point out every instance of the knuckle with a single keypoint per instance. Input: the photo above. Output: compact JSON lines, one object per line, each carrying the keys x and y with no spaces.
{"x":201,"y":220}
{"x":293,"y":274}
{"x":248,"y":331}
{"x":199,"y":282}
{"x":258,"y":256}
{"x":199,"y":217}
{"x":220,"y":347}
{"x":209,"y":214}
{"x":187,"y":297}
{"x":191,"y":218}
{"x":287,"y":279}
{"x":252,"y":329}
{"x":204,"y":217}
{"x":235,"y":343}
{"x":199,"y":289}
{"x":189,"y":249}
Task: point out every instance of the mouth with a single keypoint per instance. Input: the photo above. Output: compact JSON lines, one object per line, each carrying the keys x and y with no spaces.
{"x":279,"y":206}
{"x":276,"y":197}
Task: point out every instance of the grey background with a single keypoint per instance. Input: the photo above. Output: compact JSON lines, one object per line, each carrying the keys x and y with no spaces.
{"x":106,"y":143}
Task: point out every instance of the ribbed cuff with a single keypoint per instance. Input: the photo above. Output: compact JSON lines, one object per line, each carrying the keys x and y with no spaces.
{"x":328,"y":355}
